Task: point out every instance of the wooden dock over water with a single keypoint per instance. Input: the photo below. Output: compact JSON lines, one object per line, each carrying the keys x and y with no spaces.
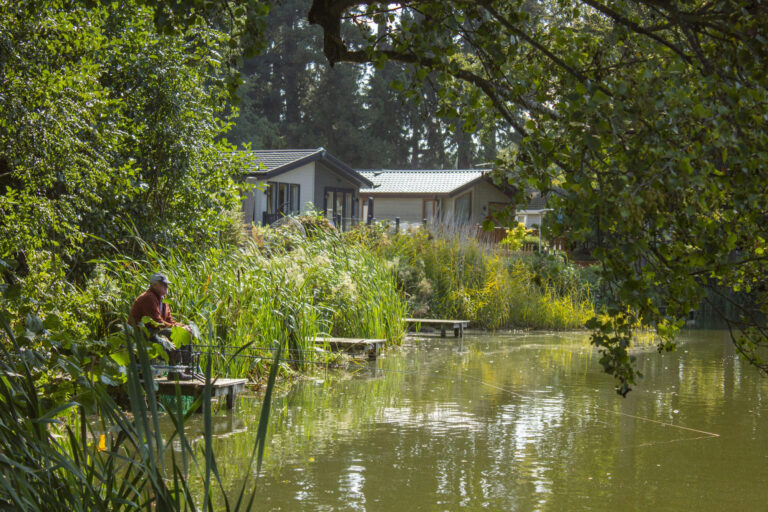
{"x":370,"y":346}
{"x":220,"y":387}
{"x":458,"y":326}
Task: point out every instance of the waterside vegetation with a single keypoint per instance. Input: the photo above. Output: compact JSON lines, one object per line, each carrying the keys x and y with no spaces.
{"x":448,"y":273}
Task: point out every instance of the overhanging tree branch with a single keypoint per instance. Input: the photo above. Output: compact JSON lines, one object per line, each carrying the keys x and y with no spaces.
{"x":623,"y":20}
{"x":362,"y":57}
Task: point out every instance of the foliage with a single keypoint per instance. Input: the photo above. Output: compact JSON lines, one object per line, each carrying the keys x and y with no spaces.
{"x":516,"y":236}
{"x":88,"y":454}
{"x":108,"y":127}
{"x":454,"y":276}
{"x":649,"y":116}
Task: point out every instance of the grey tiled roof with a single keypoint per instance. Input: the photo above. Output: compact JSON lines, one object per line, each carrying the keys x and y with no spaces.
{"x":536,"y":201}
{"x":277,"y":161}
{"x":420,"y":181}
{"x":276,"y":158}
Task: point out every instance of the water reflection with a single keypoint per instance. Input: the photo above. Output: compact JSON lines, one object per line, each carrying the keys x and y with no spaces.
{"x":513,"y":422}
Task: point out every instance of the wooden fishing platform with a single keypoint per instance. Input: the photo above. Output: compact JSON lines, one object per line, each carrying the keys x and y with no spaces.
{"x":458,"y":326}
{"x":370,"y":346}
{"x":219,"y":387}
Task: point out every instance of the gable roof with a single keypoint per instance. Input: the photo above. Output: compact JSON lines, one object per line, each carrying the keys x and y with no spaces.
{"x":277,"y":161}
{"x":535,"y":203}
{"x":420,"y":181}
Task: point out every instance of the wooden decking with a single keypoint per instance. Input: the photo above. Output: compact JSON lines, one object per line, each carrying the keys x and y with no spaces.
{"x":220,"y":387}
{"x":458,"y":326}
{"x":370,"y":346}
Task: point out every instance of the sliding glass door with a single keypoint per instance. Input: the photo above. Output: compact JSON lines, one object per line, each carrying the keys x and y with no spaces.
{"x":339,"y":206}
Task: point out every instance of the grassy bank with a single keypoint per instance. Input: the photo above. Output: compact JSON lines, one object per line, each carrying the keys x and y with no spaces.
{"x":452,"y":275}
{"x":66,"y":344}
{"x":284,"y":286}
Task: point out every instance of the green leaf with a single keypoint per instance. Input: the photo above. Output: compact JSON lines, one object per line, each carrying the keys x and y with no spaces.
{"x":156,"y":350}
{"x":180,"y":336}
{"x":34,"y":324}
{"x":600,"y":98}
{"x":52,"y":321}
{"x":122,"y":358}
{"x":701,"y":111}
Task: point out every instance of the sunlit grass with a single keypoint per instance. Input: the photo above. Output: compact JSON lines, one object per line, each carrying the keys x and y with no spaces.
{"x":258,"y":294}
{"x":452,"y":275}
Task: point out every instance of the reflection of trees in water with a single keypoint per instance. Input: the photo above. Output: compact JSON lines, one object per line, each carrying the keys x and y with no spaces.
{"x":730,"y":303}
{"x":304,"y":420}
{"x":526,"y":422}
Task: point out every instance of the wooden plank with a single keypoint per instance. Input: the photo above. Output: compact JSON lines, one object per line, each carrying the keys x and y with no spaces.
{"x":349,"y":342}
{"x":372,"y":346}
{"x":458,"y":326}
{"x":220,"y":387}
{"x":434,"y":321}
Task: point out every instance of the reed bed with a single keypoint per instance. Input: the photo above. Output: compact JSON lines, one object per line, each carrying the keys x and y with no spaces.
{"x":88,"y":453}
{"x":448,"y":273}
{"x":285,"y":287}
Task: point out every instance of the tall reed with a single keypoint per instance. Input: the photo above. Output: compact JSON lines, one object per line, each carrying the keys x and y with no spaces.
{"x":449,"y":273}
{"x":240,"y":296}
{"x":56,"y":457}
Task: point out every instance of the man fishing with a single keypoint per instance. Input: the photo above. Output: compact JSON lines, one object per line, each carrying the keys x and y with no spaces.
{"x":150,"y":304}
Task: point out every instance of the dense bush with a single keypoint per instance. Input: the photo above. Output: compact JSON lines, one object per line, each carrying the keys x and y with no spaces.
{"x":110,"y":127}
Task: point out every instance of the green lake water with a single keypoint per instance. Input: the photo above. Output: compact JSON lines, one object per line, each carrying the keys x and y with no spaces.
{"x":512,"y":422}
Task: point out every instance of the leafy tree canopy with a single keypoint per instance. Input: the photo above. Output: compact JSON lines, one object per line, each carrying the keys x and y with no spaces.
{"x":290,"y":98}
{"x":109,"y":116}
{"x":650,"y":117}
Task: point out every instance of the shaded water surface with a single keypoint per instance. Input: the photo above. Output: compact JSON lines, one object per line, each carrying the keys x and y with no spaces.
{"x":513,"y":422}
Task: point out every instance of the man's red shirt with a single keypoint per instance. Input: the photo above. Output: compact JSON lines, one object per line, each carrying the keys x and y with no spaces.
{"x":149,"y":304}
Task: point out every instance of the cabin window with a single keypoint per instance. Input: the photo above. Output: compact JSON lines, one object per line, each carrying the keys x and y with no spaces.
{"x":431,"y":210}
{"x":462,"y":208}
{"x":339,"y":205}
{"x":283,"y":198}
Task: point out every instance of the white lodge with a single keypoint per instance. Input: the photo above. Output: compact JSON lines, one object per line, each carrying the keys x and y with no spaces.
{"x":460,"y":197}
{"x":297,"y":180}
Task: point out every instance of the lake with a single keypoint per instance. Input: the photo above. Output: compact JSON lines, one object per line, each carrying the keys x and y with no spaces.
{"x":512,"y":422}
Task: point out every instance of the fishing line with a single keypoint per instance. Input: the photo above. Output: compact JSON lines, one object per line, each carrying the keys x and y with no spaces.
{"x":704,"y":434}
{"x":662,"y":423}
{"x":654,"y":443}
